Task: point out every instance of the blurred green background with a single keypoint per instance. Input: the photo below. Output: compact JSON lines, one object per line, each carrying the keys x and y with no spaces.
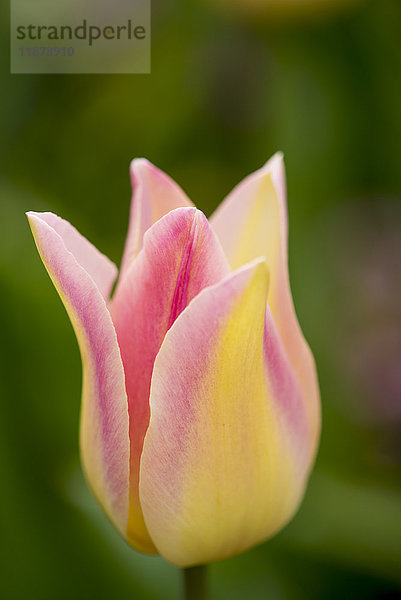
{"x":229,"y":87}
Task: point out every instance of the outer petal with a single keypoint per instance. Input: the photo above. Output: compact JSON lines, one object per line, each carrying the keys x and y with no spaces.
{"x":154,"y":195}
{"x":225,"y":456}
{"x":252,"y":222}
{"x":180,"y":257}
{"x":96,"y":264}
{"x":77,"y":269}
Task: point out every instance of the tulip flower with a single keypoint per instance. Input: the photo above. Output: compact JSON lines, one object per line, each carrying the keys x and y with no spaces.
{"x":200,"y":405}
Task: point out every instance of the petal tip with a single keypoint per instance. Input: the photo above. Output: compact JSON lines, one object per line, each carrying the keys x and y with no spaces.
{"x":255,"y":270}
{"x":274,"y":167}
{"x":138,"y":164}
{"x":32,"y":215}
{"x":258,"y":267}
{"x":140,"y":168}
{"x":34,"y":220}
{"x":278,"y":157}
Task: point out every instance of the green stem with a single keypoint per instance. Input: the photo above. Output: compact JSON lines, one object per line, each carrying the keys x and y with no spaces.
{"x":195,"y":583}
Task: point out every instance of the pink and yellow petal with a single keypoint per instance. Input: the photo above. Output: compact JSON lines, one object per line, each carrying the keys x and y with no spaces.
{"x":224,"y":462}
{"x":83,"y":278}
{"x":154,"y":195}
{"x":180,"y":257}
{"x":252,"y":222}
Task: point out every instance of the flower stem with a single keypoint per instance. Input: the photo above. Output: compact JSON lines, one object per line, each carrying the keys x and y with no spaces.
{"x":195,"y":583}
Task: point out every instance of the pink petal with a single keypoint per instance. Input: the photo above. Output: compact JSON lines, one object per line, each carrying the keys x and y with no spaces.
{"x":83,"y":277}
{"x":180,"y":257}
{"x":154,"y":195}
{"x":227,"y":450}
{"x":96,"y":264}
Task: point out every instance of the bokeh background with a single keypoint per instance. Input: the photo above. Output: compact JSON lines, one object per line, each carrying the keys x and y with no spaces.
{"x":231,"y":83}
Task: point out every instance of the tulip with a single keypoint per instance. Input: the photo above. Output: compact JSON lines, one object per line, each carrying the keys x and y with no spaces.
{"x":200,"y":405}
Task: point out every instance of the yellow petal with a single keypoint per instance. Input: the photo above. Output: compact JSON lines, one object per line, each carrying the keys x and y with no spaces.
{"x":227,"y":452}
{"x":252,"y":222}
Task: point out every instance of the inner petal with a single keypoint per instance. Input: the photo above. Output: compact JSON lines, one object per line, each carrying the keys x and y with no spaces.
{"x":180,"y":257}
